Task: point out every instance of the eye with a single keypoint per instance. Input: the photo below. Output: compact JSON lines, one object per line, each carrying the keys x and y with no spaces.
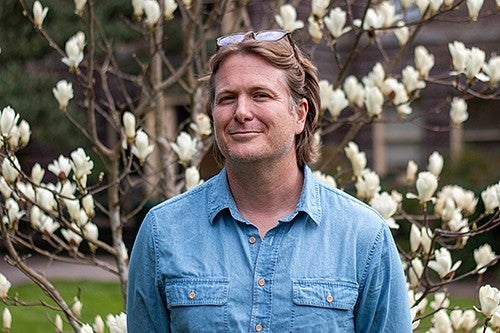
{"x":261,"y":95}
{"x":225,"y":99}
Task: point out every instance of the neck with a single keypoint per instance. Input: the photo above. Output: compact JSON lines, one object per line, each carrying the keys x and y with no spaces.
{"x":265,"y":194}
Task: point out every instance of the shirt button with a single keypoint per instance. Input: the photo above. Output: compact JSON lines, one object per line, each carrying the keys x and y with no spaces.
{"x":252,"y":240}
{"x":258,"y":328}
{"x":261,"y":282}
{"x":192,"y":294}
{"x":329,"y":298}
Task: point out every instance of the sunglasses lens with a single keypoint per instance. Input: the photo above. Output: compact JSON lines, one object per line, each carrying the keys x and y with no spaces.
{"x":230,"y":39}
{"x":270,"y":35}
{"x":262,"y":36}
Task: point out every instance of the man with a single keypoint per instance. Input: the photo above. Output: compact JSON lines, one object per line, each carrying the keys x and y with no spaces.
{"x":263,"y":246}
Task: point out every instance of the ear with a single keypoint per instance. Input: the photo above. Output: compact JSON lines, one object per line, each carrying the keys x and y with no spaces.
{"x":301,"y":110}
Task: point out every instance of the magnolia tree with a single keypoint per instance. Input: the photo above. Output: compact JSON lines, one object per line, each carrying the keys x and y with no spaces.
{"x":58,"y":210}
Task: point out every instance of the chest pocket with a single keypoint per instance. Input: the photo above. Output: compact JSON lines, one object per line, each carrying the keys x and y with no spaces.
{"x":323,"y":305}
{"x":197,"y":305}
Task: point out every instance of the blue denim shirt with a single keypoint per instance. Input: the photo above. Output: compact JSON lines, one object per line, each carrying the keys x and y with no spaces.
{"x":331,"y":266}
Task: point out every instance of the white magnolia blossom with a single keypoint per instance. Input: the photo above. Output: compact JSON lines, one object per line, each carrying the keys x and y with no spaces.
{"x":287,"y":19}
{"x":373,"y":20}
{"x":464,"y":200}
{"x":73,"y":208}
{"x":72,"y":237}
{"x":5,"y":188}
{"x":324,"y":178}
{"x":118,"y":323}
{"x":318,"y":7}
{"x":411,"y":172}
{"x":386,"y":206}
{"x":63,"y":92}
{"x":74,"y":52}
{"x":367,"y":185}
{"x":170,"y":7}
{"x":201,"y":125}
{"x":387,"y":14}
{"x":81,"y":164}
{"x":4,"y":286}
{"x":424,"y":61}
{"x":443,"y":263}
{"x":80,"y":6}
{"x":441,"y":323}
{"x":47,"y":225}
{"x":459,"y":54}
{"x":152,"y":11}
{"x":354,"y":91}
{"x":483,"y":256}
{"x":37,"y":174}
{"x":60,"y":167}
{"x":489,"y":298}
{"x":411,"y":79}
{"x":24,"y":132}
{"x":402,"y":33}
{"x":141,"y":147}
{"x":420,"y":238}
{"x":492,"y":70}
{"x":434,"y":5}
{"x":6,"y":320}
{"x":86,"y":328}
{"x":91,"y":232}
{"x":376,"y":76}
{"x":76,"y":308}
{"x":193,"y":178}
{"x":45,"y":199}
{"x":138,"y":6}
{"x":39,"y":14}
{"x":474,"y":64}
{"x":422,"y":5}
{"x":495,"y":319}
{"x":435,"y":165}
{"x":469,"y":320}
{"x":395,"y":90}
{"x":473,"y":7}
{"x":315,"y":29}
{"x":457,"y":319}
{"x":490,"y":198}
{"x":129,"y":125}
{"x":415,"y":272}
{"x":14,"y":213}
{"x":374,"y":100}
{"x":337,"y":102}
{"x":88,"y":205}
{"x":426,"y":186}
{"x":187,"y":3}
{"x":335,"y":22}
{"x":441,"y":300}
{"x":458,"y":111}
{"x":185,"y":147}
{"x":98,"y":324}
{"x":357,"y":158}
{"x":10,"y":169}
{"x":8,"y":122}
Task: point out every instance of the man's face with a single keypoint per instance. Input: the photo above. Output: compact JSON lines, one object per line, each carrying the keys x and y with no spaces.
{"x":254,"y":119}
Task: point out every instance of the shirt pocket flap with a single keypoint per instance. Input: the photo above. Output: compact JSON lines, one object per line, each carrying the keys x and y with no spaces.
{"x":325,"y":293}
{"x":192,"y":292}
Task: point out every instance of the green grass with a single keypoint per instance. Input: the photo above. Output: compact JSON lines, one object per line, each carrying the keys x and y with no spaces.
{"x":98,"y":298}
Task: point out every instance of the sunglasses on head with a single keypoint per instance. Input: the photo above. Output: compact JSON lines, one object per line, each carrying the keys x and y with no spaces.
{"x":261,"y":36}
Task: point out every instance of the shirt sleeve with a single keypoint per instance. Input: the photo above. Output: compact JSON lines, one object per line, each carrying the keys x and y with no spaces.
{"x":146,"y":306}
{"x":383,"y":301}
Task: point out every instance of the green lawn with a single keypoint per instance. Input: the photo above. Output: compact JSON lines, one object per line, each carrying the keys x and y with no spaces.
{"x":97,"y":297}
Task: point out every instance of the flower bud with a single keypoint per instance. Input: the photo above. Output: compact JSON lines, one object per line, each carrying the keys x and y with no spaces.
{"x":39,"y":14}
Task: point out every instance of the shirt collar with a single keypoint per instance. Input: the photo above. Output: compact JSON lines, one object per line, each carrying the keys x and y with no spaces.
{"x":220,"y":197}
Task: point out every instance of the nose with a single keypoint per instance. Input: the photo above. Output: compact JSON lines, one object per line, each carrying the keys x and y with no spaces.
{"x":243,"y":109}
